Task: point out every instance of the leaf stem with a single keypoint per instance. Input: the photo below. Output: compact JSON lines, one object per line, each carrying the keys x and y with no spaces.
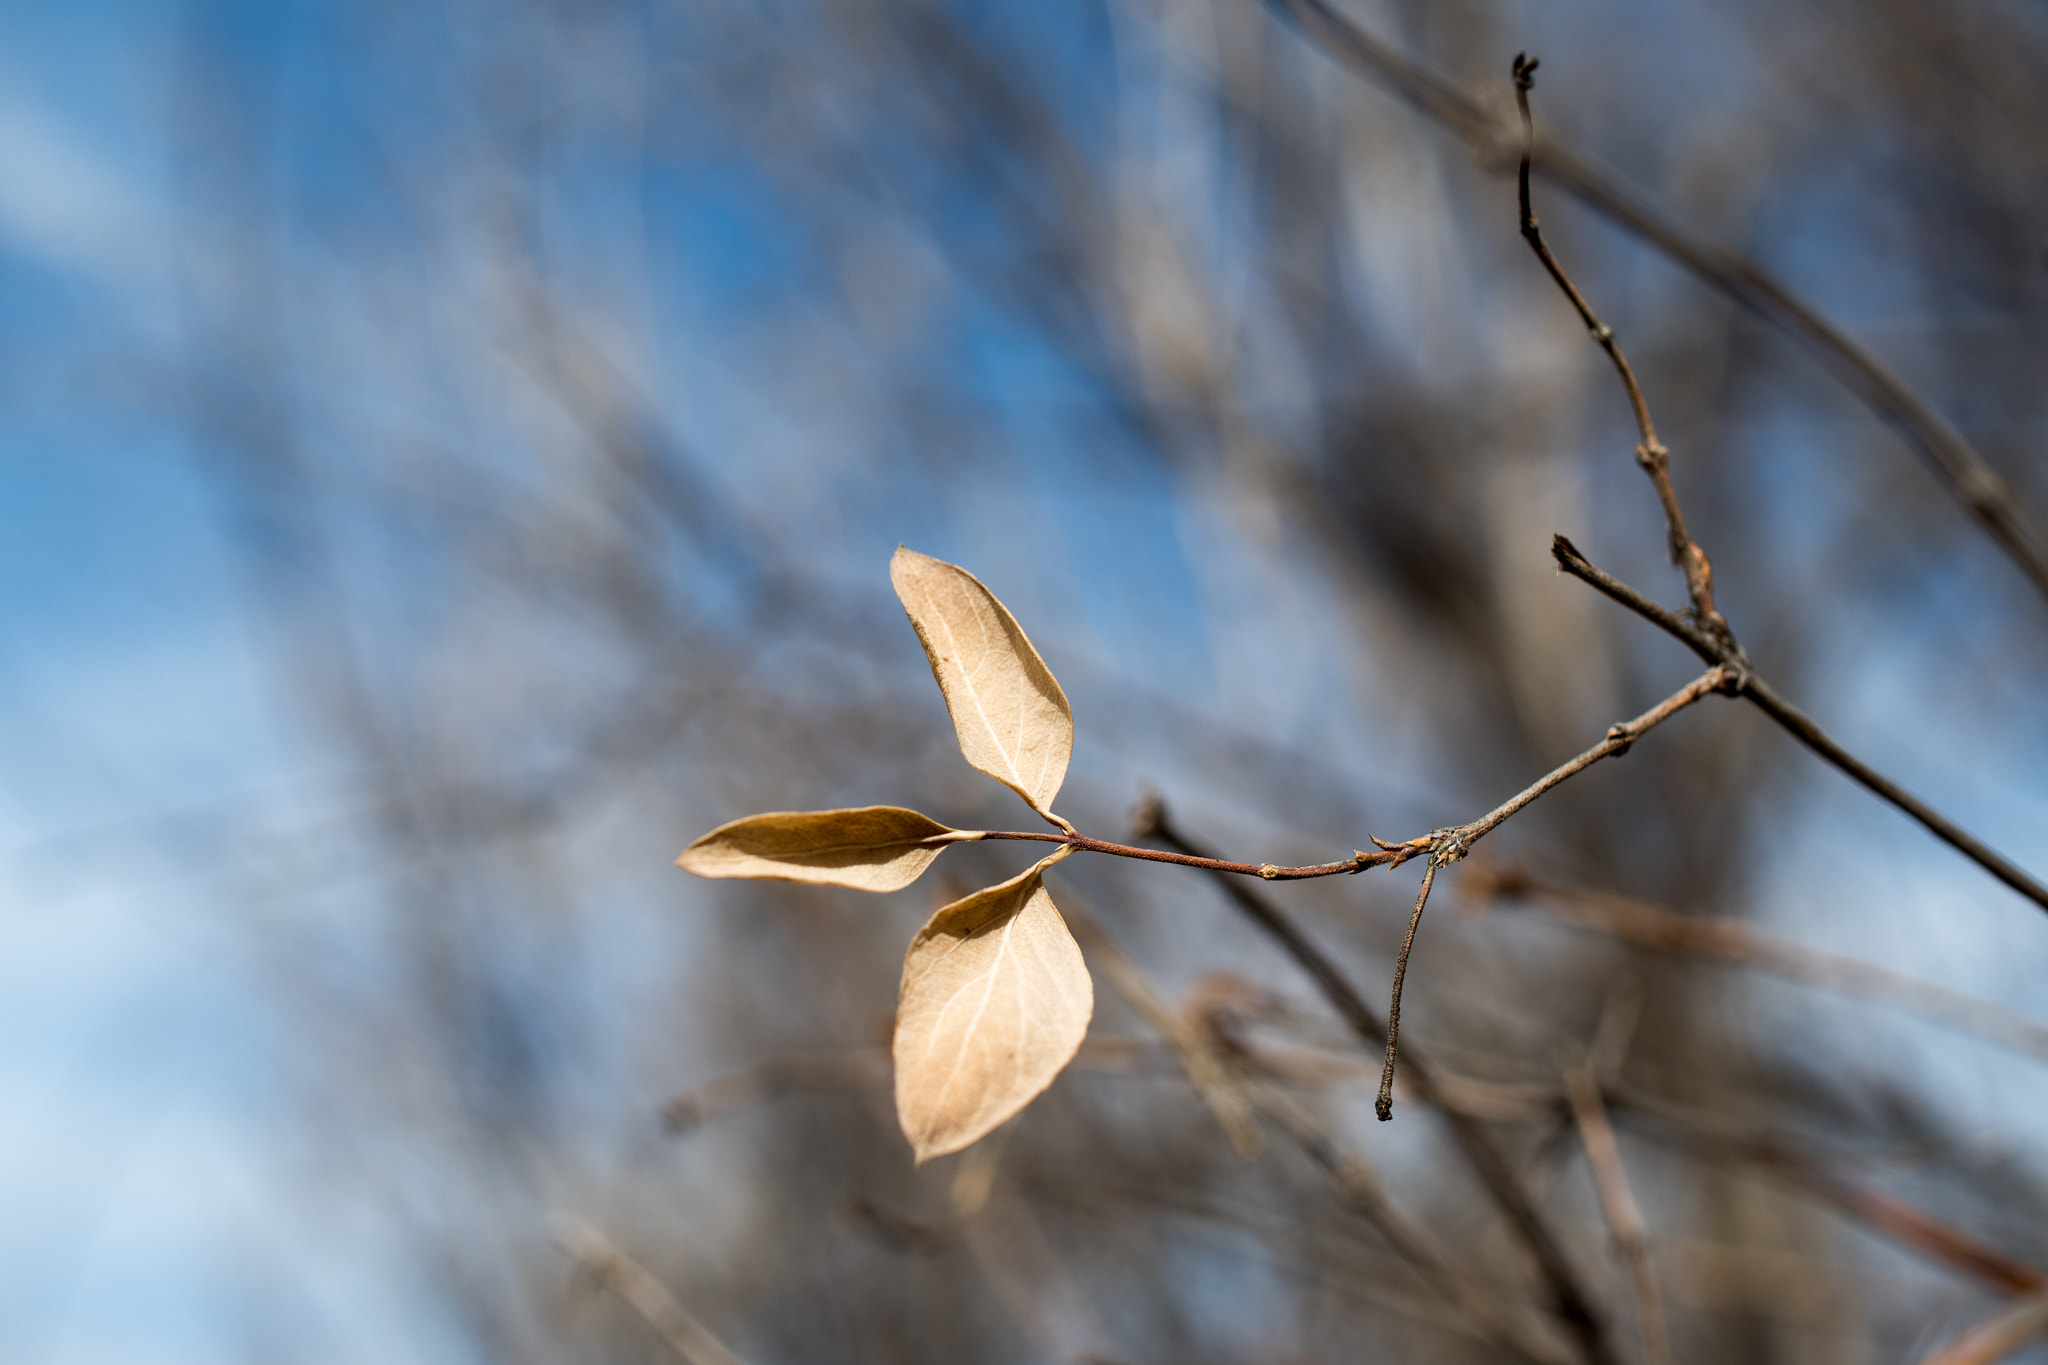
{"x":1445,"y":845}
{"x":1357,"y":862}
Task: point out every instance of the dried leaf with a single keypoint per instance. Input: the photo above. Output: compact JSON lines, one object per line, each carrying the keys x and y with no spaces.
{"x":869,"y":848}
{"x":995,"y":1001}
{"x":1012,"y":718}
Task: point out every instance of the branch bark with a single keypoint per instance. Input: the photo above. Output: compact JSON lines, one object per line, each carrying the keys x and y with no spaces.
{"x":1796,"y":722}
{"x":1980,"y":490}
{"x":1569,"y":1299}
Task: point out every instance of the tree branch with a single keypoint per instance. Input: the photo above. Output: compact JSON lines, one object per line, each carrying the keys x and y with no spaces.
{"x":1982,"y":492}
{"x":1445,"y":846}
{"x":1797,"y":723}
{"x":1708,"y":634}
{"x":1569,"y":1299}
{"x":1651,"y":453}
{"x":1383,"y":1103}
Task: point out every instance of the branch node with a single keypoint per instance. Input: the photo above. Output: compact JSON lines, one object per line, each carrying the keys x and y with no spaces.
{"x":1268,"y":871}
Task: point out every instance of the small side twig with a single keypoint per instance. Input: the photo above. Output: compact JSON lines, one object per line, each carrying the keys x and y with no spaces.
{"x":1456,"y":843}
{"x":1708,"y":633}
{"x":1383,"y":1104}
{"x":1796,"y":722}
{"x":1569,"y":1299}
{"x":1447,"y":846}
{"x":1618,"y":1206}
{"x":1357,"y":862}
{"x":1979,"y":489}
{"x":1651,"y":453}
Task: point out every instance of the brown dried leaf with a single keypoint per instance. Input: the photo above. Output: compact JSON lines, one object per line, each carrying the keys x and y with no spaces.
{"x":995,"y":1001}
{"x":1012,"y":718}
{"x":869,"y":848}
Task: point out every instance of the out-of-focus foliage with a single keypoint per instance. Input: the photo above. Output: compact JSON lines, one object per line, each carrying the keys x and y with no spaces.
{"x":568,"y":374}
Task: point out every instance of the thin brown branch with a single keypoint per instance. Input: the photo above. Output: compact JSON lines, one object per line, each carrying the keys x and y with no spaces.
{"x":1797,"y":723}
{"x":1651,"y":453}
{"x":1802,"y":728}
{"x":1357,"y":862}
{"x":1578,"y":566}
{"x":1447,"y":846}
{"x":1618,"y":1207}
{"x":1969,"y":479}
{"x":1738,"y":945}
{"x":1456,"y":843}
{"x":1444,"y":845}
{"x":1569,"y":1300}
{"x":613,"y":1270}
{"x":1995,"y":1338}
{"x":1708,"y":633}
{"x":1383,"y":1104}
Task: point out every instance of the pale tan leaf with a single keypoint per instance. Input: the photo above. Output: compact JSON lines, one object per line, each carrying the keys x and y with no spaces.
{"x":1012,"y":718}
{"x":869,"y":848}
{"x":995,"y":1001}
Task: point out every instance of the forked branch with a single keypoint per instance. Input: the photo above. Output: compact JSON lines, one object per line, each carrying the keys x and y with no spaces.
{"x":1708,"y":634}
{"x":1982,"y":492}
{"x":1569,"y":1299}
{"x":1651,"y":453}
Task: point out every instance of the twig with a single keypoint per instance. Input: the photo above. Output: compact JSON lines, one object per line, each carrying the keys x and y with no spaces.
{"x":612,"y":1269}
{"x":1447,"y":846}
{"x":1618,"y":1206}
{"x":1443,"y":846}
{"x":1357,"y":862}
{"x":1568,"y":1298}
{"x":1795,"y":722}
{"x":1968,"y":478}
{"x":1456,"y":843}
{"x":1708,"y":634}
{"x":1578,"y":566}
{"x":1383,"y":1104}
{"x":1666,"y":931}
{"x":1651,"y":453}
{"x":1996,"y":1338}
